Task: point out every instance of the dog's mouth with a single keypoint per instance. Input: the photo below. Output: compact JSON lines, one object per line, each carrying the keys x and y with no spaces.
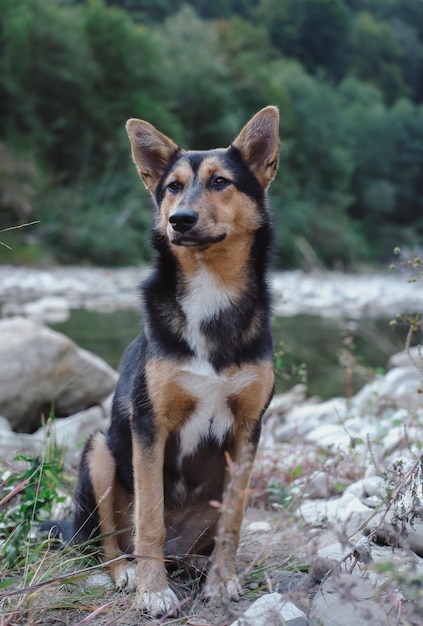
{"x":201,"y":243}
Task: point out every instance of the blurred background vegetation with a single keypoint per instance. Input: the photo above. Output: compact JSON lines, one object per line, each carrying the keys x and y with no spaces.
{"x":347,"y":76}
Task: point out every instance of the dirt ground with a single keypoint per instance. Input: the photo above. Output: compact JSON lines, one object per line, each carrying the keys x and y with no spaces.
{"x":270,"y":558}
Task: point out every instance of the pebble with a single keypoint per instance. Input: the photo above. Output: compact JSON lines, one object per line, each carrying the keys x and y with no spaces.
{"x":259,"y":527}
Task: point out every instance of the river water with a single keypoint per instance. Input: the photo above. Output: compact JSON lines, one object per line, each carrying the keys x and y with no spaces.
{"x":324,"y":321}
{"x":319,"y":351}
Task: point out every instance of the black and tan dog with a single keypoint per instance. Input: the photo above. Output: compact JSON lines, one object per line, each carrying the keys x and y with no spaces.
{"x":193,"y":386}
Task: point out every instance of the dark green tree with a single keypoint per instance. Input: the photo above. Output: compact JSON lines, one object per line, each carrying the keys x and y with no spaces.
{"x":311,"y":195}
{"x":197,"y":80}
{"x":316,"y":32}
{"x":248,"y":56}
{"x":387,"y":149}
{"x":147,"y":11}
{"x":130,"y":82}
{"x":376,"y":56}
{"x":46,"y":73}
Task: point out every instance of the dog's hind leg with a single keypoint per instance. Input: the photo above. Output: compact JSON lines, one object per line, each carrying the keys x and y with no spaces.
{"x":112,"y":510}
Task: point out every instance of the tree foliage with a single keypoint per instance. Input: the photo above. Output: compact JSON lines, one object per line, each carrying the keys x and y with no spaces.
{"x":347,"y":76}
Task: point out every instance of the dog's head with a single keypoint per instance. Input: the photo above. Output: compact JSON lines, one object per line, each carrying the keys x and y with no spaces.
{"x":206,"y":197}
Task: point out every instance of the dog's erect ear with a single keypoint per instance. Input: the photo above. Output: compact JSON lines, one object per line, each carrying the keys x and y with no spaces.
{"x":151,"y":151}
{"x":259,"y":144}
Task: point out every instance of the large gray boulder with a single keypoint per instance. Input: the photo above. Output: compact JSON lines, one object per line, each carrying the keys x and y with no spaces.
{"x":41,"y":368}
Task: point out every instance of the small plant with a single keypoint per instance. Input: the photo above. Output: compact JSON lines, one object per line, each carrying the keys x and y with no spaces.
{"x":28,"y":498}
{"x":414,"y":267}
{"x":414,"y":263}
{"x":279,"y":493}
{"x":287,"y":371}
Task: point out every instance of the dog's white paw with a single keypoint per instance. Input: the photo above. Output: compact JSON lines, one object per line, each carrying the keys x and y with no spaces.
{"x":125,"y":577}
{"x":157,"y":602}
{"x":233,"y":589}
{"x":218,"y":590}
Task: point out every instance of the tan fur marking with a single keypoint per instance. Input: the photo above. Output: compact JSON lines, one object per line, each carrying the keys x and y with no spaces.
{"x":172,"y":405}
{"x":113,"y":503}
{"x":213,"y":165}
{"x":248,"y":404}
{"x":226,"y":260}
{"x":150,"y":532}
{"x":182,"y":173}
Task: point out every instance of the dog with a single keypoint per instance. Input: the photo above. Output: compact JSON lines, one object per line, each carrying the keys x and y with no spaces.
{"x":194,"y":385}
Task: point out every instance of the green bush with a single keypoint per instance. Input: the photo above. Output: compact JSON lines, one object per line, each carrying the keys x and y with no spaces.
{"x":346,"y":80}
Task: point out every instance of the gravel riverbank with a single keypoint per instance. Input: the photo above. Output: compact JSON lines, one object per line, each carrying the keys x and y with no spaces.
{"x":48,"y":292}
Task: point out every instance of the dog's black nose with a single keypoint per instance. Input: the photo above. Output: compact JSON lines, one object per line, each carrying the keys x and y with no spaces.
{"x":181,"y":221}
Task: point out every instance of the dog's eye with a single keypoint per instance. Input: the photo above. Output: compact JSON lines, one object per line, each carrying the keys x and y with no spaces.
{"x":220,"y":182}
{"x":175,"y":186}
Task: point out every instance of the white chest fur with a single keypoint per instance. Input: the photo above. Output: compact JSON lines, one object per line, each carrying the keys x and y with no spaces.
{"x":203,"y":300}
{"x":212,"y":419}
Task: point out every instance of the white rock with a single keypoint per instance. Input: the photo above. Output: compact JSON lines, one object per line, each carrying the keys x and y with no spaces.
{"x":347,"y":509}
{"x":4,"y":424}
{"x":328,"y":294}
{"x":99,"y":580}
{"x":407,"y":534}
{"x":283,"y":402}
{"x":69,"y":433}
{"x":318,"y":486}
{"x":335,"y":295}
{"x":12,"y":444}
{"x":329,"y":549}
{"x":368,"y":487}
{"x":330,"y":436}
{"x":292,"y":616}
{"x":303,"y":419}
{"x":52,"y":309}
{"x":272,"y":610}
{"x":404,"y":358}
{"x":259,"y":527}
{"x":399,"y":385}
{"x":397,"y":562}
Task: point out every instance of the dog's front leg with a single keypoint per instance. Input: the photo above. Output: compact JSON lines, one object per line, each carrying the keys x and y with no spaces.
{"x":247,"y":408}
{"x":222,"y":581}
{"x":153,"y":592}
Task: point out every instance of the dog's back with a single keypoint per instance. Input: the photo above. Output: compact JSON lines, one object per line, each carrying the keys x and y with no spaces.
{"x":194,"y":385}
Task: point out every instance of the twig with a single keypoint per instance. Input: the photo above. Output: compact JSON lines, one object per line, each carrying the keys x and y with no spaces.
{"x":4,"y":230}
